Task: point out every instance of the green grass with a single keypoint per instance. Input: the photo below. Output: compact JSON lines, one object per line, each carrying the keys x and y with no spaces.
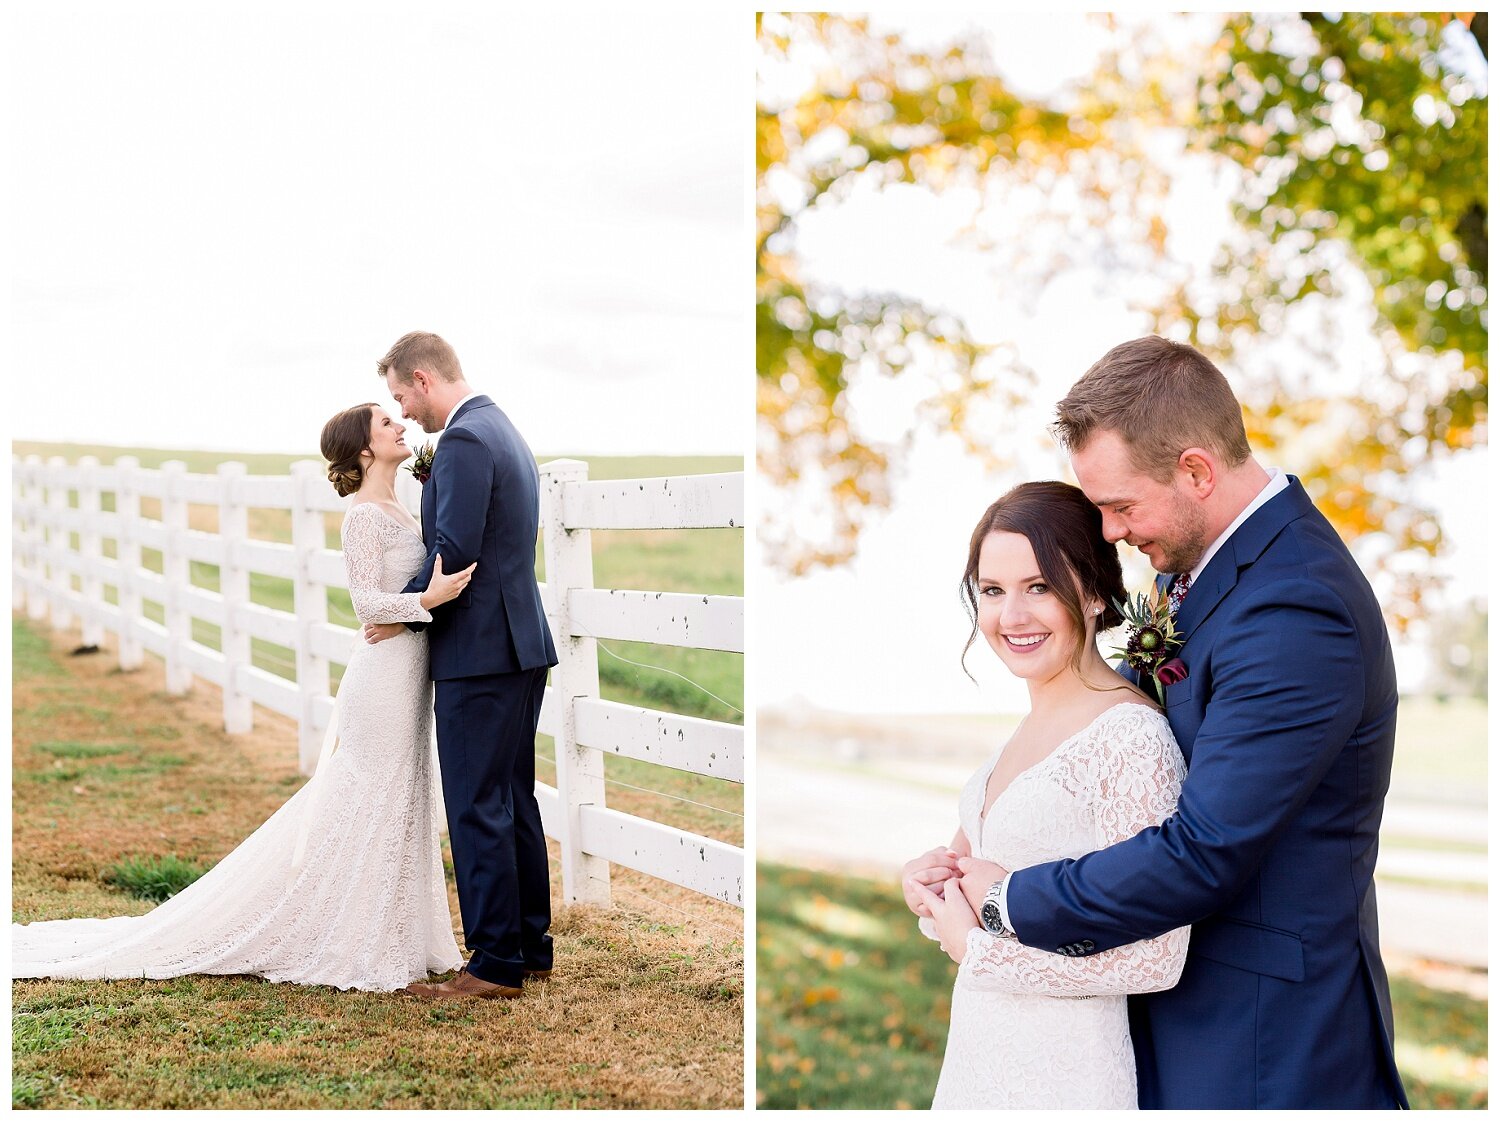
{"x":152,"y":878}
{"x":851,"y":1002}
{"x":643,"y":1013}
{"x":77,"y":750}
{"x":852,"y":1005}
{"x":30,"y":654}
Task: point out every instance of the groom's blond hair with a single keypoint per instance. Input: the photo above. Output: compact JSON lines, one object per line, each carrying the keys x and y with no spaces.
{"x":420,"y":350}
{"x":1161,"y":398}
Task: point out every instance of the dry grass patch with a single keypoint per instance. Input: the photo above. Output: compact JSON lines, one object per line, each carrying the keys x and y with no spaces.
{"x":646,"y":1008}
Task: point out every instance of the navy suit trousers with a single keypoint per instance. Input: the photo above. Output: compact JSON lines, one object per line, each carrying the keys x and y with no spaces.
{"x":486,"y":730}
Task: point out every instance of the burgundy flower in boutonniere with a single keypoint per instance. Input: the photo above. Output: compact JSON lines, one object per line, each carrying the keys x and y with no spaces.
{"x":1152,"y":640}
{"x":421,"y":463}
{"x":1170,"y":673}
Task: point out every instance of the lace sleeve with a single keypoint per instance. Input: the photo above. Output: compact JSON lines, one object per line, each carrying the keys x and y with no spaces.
{"x":365,"y":544}
{"x":1139,"y":778}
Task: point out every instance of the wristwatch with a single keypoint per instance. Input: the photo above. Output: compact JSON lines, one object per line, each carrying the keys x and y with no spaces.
{"x":989,"y":913}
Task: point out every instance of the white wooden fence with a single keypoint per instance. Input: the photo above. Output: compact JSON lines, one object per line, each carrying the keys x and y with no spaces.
{"x":584,"y":727}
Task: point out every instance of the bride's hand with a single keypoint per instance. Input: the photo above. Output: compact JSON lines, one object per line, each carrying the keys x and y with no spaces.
{"x":933,"y":867}
{"x":951,"y":916}
{"x":978,"y":876}
{"x":445,"y":586}
{"x":379,"y":632}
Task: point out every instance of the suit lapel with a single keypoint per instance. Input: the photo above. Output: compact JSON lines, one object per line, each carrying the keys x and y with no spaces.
{"x":429,"y":506}
{"x":1242,"y":550}
{"x":478,"y":401}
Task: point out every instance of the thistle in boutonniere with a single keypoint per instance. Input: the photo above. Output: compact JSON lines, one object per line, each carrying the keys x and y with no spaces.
{"x":421,"y":463}
{"x":1152,"y":641}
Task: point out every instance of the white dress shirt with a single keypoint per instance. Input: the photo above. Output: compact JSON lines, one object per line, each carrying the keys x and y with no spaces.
{"x":467,"y":397}
{"x":1277,"y":484}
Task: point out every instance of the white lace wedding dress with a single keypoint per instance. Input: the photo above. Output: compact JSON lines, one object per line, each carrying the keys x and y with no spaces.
{"x":1031,"y":1028}
{"x":343,"y":886}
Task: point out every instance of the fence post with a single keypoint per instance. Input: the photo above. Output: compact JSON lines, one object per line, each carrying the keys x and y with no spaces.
{"x":61,"y":541}
{"x":175,"y":572}
{"x":19,"y":534}
{"x":36,"y":585}
{"x":23,"y":560}
{"x":310,"y":602}
{"x":91,"y":547}
{"x":234,"y":587}
{"x":128,"y":555}
{"x":569,"y":561}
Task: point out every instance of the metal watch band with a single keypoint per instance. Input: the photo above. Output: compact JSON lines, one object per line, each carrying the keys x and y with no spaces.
{"x":989,"y":913}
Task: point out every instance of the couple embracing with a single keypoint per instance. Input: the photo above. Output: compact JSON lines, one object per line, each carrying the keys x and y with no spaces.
{"x":1197,"y":830}
{"x":343,"y":886}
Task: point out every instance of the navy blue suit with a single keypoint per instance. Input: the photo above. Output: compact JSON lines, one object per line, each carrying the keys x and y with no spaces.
{"x":490,"y":649}
{"x":1287,"y":720}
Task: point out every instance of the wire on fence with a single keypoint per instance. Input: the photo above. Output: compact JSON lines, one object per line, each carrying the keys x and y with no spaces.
{"x":664,"y":670}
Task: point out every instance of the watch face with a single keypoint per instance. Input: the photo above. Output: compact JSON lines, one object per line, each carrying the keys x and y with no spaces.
{"x":990,"y":914}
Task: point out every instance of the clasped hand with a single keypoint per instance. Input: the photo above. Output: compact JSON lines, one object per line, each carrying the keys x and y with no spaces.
{"x":949,"y":888}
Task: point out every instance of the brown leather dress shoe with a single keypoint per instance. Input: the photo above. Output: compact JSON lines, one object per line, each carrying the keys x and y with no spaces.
{"x":462,"y":984}
{"x":538,"y":975}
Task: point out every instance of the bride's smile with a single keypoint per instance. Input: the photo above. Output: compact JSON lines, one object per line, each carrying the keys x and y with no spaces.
{"x":1024,"y":621}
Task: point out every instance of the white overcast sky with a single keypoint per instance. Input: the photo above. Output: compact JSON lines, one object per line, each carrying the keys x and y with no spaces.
{"x":222,"y":214}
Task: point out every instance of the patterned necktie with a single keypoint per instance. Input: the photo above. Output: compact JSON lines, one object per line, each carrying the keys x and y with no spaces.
{"x":1179,"y":588}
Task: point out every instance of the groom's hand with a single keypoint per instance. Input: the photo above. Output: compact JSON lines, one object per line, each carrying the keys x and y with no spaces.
{"x":375,"y":632}
{"x":976,"y":878}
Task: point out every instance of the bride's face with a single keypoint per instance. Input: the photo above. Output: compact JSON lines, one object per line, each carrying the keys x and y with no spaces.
{"x":386,"y":441}
{"x":1020,"y":616}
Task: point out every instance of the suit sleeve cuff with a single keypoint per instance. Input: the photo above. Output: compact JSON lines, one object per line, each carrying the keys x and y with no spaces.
{"x":1004,"y":904}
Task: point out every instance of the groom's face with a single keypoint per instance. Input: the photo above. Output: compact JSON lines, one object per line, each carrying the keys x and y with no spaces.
{"x":1163,"y":520}
{"x":415,"y":404}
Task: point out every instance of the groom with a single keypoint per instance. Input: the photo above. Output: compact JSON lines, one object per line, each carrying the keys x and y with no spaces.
{"x":1287,"y":720}
{"x":489,"y":651}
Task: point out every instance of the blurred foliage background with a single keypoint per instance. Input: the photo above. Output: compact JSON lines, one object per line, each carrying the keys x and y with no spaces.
{"x":1355,"y":150}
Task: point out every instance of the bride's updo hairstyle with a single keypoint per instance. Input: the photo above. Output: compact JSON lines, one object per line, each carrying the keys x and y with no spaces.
{"x":1066,"y":533}
{"x":343,"y":439}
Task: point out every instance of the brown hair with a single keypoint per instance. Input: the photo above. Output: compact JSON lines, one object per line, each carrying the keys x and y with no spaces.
{"x":1161,"y":398}
{"x":1066,"y":533}
{"x":420,"y":350}
{"x":344,"y":438}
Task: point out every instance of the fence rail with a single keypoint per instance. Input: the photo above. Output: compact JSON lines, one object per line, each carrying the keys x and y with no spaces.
{"x":584,"y":727}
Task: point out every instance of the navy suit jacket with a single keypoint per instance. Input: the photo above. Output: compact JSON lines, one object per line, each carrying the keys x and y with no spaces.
{"x":1287,"y":720}
{"x":481,"y":504}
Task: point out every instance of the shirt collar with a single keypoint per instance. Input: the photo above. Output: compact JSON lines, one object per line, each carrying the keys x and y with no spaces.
{"x":1276,"y":485}
{"x":461,"y":403}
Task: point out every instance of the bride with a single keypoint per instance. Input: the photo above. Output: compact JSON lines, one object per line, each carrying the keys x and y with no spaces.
{"x":1092,"y":763}
{"x":343,"y":886}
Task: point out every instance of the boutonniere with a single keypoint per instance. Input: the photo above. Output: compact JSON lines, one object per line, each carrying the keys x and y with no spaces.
{"x":421,"y":463}
{"x":1152,"y":641}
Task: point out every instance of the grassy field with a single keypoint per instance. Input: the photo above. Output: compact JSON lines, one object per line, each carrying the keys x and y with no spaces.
{"x":646,"y":1009}
{"x":707,"y":561}
{"x":852,"y":1005}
